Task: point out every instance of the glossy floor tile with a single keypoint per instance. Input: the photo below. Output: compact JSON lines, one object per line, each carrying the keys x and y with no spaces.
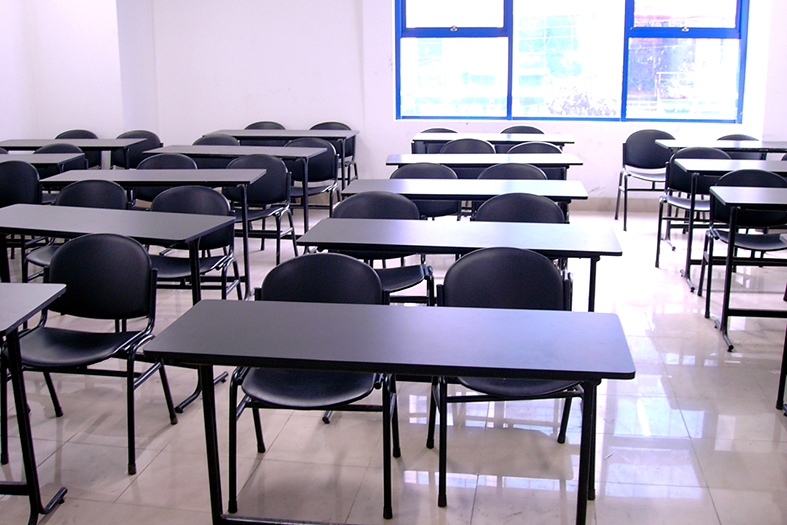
{"x":694,"y":439}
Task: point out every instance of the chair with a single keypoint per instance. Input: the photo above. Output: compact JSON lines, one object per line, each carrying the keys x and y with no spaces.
{"x":350,"y":165}
{"x":542,"y":147}
{"x":175,"y":271}
{"x":61,"y":147}
{"x":19,"y":184}
{"x":264,"y":124}
{"x":268,"y":196}
{"x":680,"y":194}
{"x":754,"y":155}
{"x":325,"y":278}
{"x":136,"y":151}
{"x":520,"y":207}
{"x":513,"y":170}
{"x":498,"y":278}
{"x":93,"y":157}
{"x":323,"y":171}
{"x":718,"y":230}
{"x":384,"y":205}
{"x":84,"y":194}
{"x":531,"y":130}
{"x":420,"y":147}
{"x":216,"y":139}
{"x":645,"y":160}
{"x":107,"y":277}
{"x":467,"y":145}
{"x":3,"y":151}
{"x":426,"y":170}
{"x":161,"y":161}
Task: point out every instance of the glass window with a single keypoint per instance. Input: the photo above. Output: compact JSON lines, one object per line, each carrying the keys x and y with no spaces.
{"x":685,"y":13}
{"x":454,"y":13}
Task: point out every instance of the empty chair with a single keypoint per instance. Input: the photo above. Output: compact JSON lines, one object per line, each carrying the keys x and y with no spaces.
{"x":513,"y":170}
{"x":678,"y":191}
{"x":520,"y":207}
{"x":430,"y":209}
{"x":93,"y":157}
{"x":161,"y":161}
{"x":108,"y":278}
{"x":350,"y":166}
{"x":136,"y":151}
{"x":542,"y":147}
{"x":264,"y":124}
{"x":384,"y":205}
{"x":215,"y":139}
{"x":754,"y":155}
{"x":420,"y":147}
{"x":61,"y":147}
{"x":645,"y":160}
{"x":268,"y":196}
{"x":323,"y":278}
{"x":498,"y":278}
{"x":175,"y":271}
{"x":531,"y":130}
{"x":323,"y":172}
{"x":19,"y":184}
{"x":467,"y":145}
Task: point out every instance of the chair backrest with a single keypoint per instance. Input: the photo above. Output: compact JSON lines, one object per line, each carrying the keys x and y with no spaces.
{"x":432,"y":148}
{"x":135,"y":152}
{"x":535,"y":147}
{"x":93,"y":194}
{"x":19,"y":183}
{"x":323,"y":278}
{"x":107,"y":276}
{"x":641,"y":151}
{"x":264,"y":124}
{"x":750,"y":218}
{"x":679,"y":180}
{"x":93,"y":157}
{"x":215,"y":139}
{"x":3,"y":151}
{"x":425,"y":170}
{"x":513,"y":170}
{"x":520,"y":207}
{"x":273,"y":187}
{"x":350,"y":144}
{"x":167,"y":161}
{"x":322,"y":167}
{"x":61,"y":147}
{"x":503,"y":278}
{"x":200,"y":200}
{"x":439,"y":130}
{"x":754,"y":155}
{"x":467,"y":145}
{"x":522,"y":129}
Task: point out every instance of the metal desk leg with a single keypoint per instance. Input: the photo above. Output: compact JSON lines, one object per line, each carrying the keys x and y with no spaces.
{"x":725,"y":303}
{"x":212,"y":446}
{"x":5,"y":271}
{"x":305,"y":195}
{"x":592,"y":285}
{"x":245,"y":218}
{"x":587,"y":451}
{"x":692,"y":207}
{"x":782,"y":378}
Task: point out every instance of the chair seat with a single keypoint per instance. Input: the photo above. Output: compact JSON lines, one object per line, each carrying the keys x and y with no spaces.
{"x":171,"y":268}
{"x":297,"y":191}
{"x":306,"y":390}
{"x":59,"y":348}
{"x":516,"y":388}
{"x":684,"y":203}
{"x":654,"y":176}
{"x":42,"y":256}
{"x":759,"y":242}
{"x":399,"y":278}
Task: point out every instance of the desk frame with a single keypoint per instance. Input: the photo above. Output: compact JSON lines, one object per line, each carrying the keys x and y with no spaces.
{"x":85,"y":144}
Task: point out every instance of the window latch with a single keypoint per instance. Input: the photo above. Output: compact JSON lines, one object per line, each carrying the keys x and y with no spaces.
{"x":454,"y":28}
{"x":685,"y":29}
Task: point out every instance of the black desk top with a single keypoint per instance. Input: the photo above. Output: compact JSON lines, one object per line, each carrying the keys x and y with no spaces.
{"x":41,"y":159}
{"x":289,"y":133}
{"x":85,"y":144}
{"x":767,"y":146}
{"x":551,"y":240}
{"x":238,"y":151}
{"x":470,"y":189}
{"x":751,"y":197}
{"x":497,"y":138}
{"x":167,"y":177}
{"x":145,"y":226}
{"x":19,"y":302}
{"x":722,"y":166}
{"x":401,"y":340}
{"x":485,"y":159}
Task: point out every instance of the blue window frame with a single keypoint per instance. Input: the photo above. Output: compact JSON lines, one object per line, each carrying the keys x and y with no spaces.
{"x":571,"y":59}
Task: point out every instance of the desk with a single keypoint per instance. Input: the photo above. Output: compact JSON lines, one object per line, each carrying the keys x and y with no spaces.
{"x":284,"y":153}
{"x":18,"y":303}
{"x":84,"y":144}
{"x":508,"y":139}
{"x":767,"y":146}
{"x":744,"y":198}
{"x":174,"y":177}
{"x":458,"y":237}
{"x":425,"y":341}
{"x":42,"y":160}
{"x":484,"y":160}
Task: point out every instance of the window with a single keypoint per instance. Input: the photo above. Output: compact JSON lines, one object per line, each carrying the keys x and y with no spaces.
{"x":571,"y":59}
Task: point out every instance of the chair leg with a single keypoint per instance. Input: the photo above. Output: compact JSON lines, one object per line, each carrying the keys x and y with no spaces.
{"x":132,"y":462}
{"x":432,"y":414}
{"x":53,"y":394}
{"x":292,"y":235}
{"x":625,"y":202}
{"x":617,"y":200}
{"x":561,"y":436}
{"x":235,"y":412}
{"x":258,"y":430}
{"x":173,"y":416}
{"x":710,"y":277}
{"x":3,"y":412}
{"x":397,"y":451}
{"x":658,"y":231}
{"x":278,"y":238}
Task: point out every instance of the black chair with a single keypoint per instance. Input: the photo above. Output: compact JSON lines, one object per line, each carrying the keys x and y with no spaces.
{"x":431,"y":148}
{"x":93,"y":157}
{"x":3,"y":151}
{"x":513,"y":170}
{"x":498,"y":278}
{"x":753,"y":155}
{"x":264,"y":124}
{"x":268,"y":196}
{"x":83,"y":194}
{"x":324,"y":278}
{"x":520,"y":207}
{"x":108,"y":277}
{"x":350,"y":165}
{"x":645,"y":160}
{"x":175,"y":271}
{"x":384,"y":205}
{"x":552,"y":173}
{"x":136,"y":151}
{"x":214,"y":139}
{"x":323,"y":171}
{"x":19,"y":184}
{"x":161,"y":161}
{"x":683,"y":196}
{"x":531,"y":130}
{"x":61,"y":147}
{"x":718,"y":230}
{"x":424,"y":170}
{"x":467,"y":145}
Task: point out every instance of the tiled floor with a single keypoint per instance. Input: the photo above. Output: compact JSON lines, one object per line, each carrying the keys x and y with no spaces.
{"x":693,"y":439}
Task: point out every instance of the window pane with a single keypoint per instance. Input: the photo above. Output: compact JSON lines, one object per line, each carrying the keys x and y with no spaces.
{"x":683,"y":78}
{"x":685,"y":13}
{"x":449,"y":13}
{"x":567,"y":65}
{"x":454,"y":77}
